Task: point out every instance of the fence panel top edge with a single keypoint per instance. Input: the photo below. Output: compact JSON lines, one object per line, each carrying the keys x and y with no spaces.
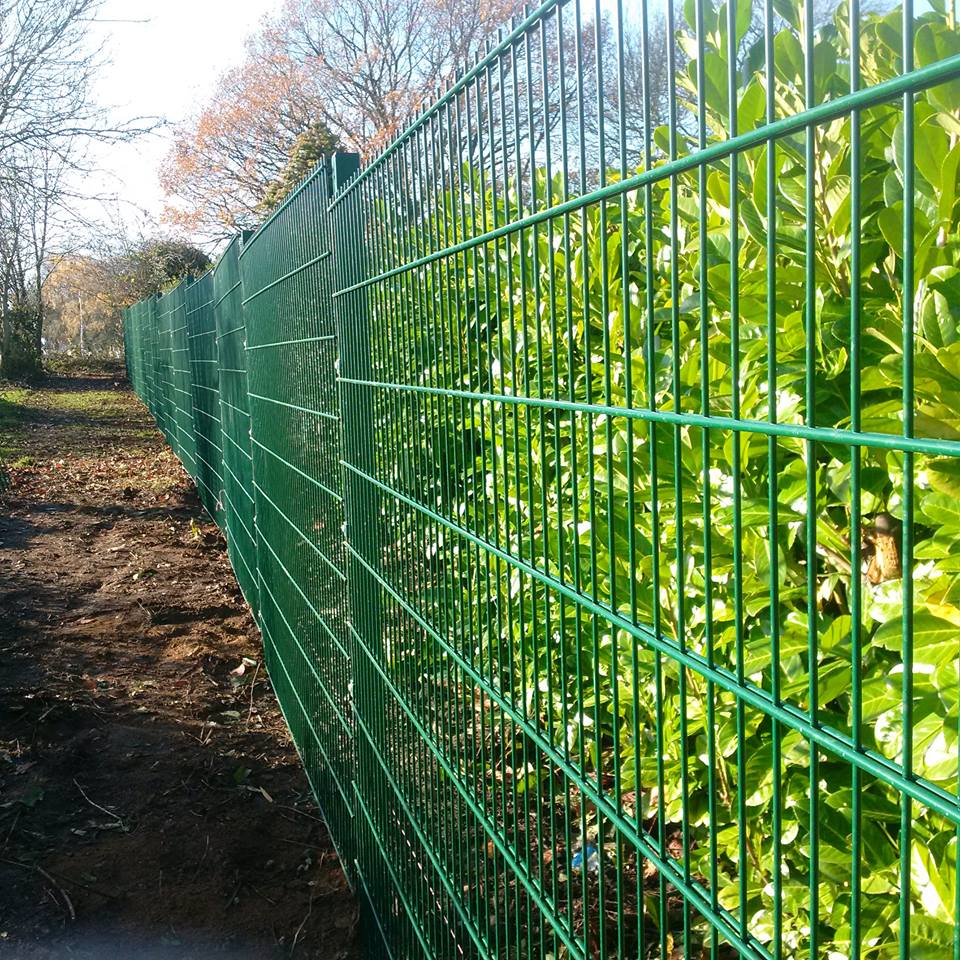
{"x":224,"y":258}
{"x":462,"y":81}
{"x":321,"y":168}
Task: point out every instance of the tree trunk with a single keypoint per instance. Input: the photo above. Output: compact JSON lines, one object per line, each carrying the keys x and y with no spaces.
{"x":20,"y":357}
{"x":6,"y":325}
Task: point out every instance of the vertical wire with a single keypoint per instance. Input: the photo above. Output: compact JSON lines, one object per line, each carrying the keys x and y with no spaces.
{"x":517,"y":546}
{"x":856,"y":599}
{"x":511,"y":443}
{"x":742,"y":789}
{"x":430,"y":529}
{"x":568,"y":334}
{"x":555,"y":419}
{"x":462,"y":566}
{"x":772,"y":483}
{"x":604,"y":278}
{"x":451,"y":456}
{"x":628,"y":428}
{"x":588,"y":398}
{"x":673,"y":151}
{"x":649,"y":343}
{"x":471,"y":551}
{"x":488,"y":893}
{"x":532,"y":482}
{"x":529,"y":683}
{"x":906,"y":559}
{"x":424,"y":527}
{"x":704,"y":252}
{"x":413,"y":362}
{"x":501,"y":522}
{"x":448,"y":494}
{"x":810,"y":319}
{"x":625,"y":319}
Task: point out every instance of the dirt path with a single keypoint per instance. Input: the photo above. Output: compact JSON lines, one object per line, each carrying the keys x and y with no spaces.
{"x":151,"y":802}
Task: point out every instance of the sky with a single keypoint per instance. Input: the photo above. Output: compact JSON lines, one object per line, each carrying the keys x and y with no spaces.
{"x":164,"y":59}
{"x":165,"y":56}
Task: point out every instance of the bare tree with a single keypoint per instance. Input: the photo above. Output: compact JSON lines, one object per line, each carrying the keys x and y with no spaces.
{"x":347,"y":72}
{"x":376,"y":60}
{"x":34,"y":202}
{"x":13,"y":274}
{"x":225,"y":161}
{"x":48,"y":118}
{"x":47,"y":65}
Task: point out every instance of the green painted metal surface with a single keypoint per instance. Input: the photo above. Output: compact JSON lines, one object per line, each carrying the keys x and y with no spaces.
{"x":238,"y":493}
{"x":163,"y":373}
{"x":590,"y":462}
{"x":181,"y":379}
{"x":205,"y":382}
{"x":291,"y":352}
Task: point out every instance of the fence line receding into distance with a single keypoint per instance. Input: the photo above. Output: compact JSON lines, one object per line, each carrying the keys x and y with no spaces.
{"x":589,"y":460}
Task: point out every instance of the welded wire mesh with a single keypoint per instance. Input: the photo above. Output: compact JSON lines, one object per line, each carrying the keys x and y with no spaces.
{"x":143,"y":315}
{"x":291,"y":351}
{"x":181,"y":378}
{"x":138,"y":354}
{"x":235,"y":422}
{"x":165,"y":412}
{"x":205,"y":383}
{"x":604,"y":446}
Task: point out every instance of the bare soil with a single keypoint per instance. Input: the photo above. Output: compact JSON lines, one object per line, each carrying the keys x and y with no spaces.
{"x":151,"y":802}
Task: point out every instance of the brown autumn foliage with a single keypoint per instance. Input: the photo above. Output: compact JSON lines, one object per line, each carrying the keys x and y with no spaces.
{"x":224,"y":160}
{"x":84,"y":295}
{"x":83,"y":306}
{"x":356,"y":68}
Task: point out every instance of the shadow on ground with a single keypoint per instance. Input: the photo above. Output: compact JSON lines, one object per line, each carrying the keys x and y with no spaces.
{"x":151,"y":803}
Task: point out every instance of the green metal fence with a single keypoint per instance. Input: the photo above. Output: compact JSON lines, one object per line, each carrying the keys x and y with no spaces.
{"x":238,"y":494}
{"x":291,"y":353}
{"x":589,"y":459}
{"x":205,"y":378}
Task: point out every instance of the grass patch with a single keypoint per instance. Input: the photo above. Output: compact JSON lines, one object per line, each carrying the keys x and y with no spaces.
{"x":12,"y":401}
{"x":97,"y":404}
{"x":66,"y":365}
{"x":74,"y":419}
{"x":12,"y":416}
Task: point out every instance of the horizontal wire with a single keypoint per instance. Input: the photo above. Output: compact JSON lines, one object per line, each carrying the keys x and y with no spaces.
{"x":306,"y":476}
{"x":872,"y":763}
{"x":293,"y":406}
{"x":301,"y":534}
{"x":918,"y":80}
{"x":285,"y":343}
{"x":292,"y":273}
{"x":797,"y":431}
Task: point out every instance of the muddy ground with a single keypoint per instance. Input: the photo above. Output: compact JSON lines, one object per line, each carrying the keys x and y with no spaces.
{"x":151,"y":802}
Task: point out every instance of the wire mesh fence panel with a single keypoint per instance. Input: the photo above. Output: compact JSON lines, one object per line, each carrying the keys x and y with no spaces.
{"x":144,"y":315}
{"x":205,"y":382}
{"x":166,"y":408}
{"x":291,"y":352}
{"x":146,"y":331}
{"x":182,"y":379}
{"x":136,"y":355}
{"x":637,"y":434}
{"x":235,"y":422}
{"x":605,"y":456}
{"x":132,"y":354}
